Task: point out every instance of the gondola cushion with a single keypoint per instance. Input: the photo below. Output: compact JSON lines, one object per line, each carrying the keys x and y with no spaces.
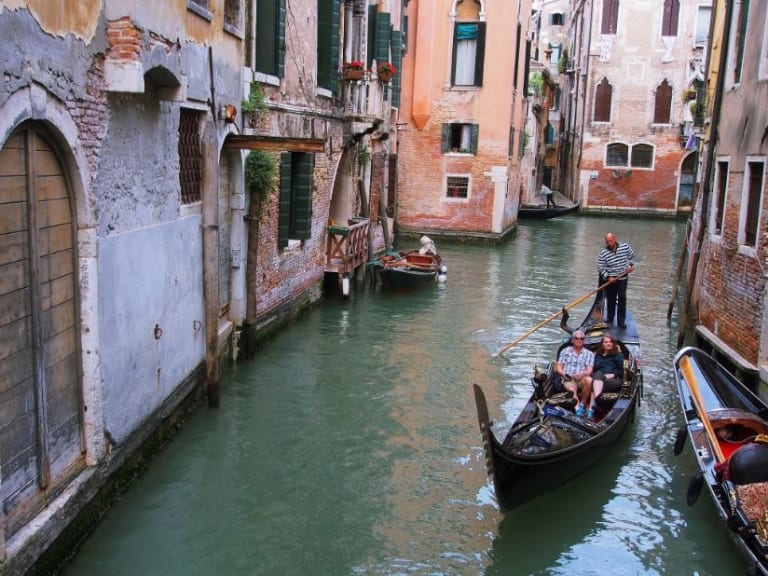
{"x":753,"y":500}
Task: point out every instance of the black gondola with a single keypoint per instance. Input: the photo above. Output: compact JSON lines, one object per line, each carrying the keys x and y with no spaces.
{"x":543,"y":212}
{"x":548,"y":444}
{"x":728,"y":427}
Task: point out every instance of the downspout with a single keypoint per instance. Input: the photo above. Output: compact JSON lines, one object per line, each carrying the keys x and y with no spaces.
{"x":705,"y":188}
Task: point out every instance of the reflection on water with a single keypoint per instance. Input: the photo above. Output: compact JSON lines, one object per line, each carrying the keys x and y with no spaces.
{"x":350,"y":444}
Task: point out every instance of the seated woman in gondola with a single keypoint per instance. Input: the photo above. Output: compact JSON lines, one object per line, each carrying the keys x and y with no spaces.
{"x":608,"y":368}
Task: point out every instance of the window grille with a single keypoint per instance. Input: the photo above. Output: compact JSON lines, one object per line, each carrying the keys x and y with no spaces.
{"x":190,"y":160}
{"x":457,"y":187}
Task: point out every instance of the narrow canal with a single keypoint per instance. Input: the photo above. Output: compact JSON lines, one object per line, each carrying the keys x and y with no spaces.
{"x":350,"y":444}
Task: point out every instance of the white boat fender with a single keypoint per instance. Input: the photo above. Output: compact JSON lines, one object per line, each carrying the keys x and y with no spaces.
{"x":441,"y":273}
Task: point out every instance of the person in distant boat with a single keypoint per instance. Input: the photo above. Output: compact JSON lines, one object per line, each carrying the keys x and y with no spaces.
{"x":549,"y":195}
{"x":607,"y":370}
{"x":614,"y":263}
{"x":574,"y":365}
{"x":427,"y":246}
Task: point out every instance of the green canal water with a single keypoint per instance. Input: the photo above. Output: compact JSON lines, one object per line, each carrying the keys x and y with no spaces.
{"x":349,"y":445}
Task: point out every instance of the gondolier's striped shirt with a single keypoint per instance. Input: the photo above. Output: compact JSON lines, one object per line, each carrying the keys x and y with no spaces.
{"x":610,"y":263}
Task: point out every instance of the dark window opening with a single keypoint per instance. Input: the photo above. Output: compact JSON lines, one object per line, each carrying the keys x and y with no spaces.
{"x":190,"y":156}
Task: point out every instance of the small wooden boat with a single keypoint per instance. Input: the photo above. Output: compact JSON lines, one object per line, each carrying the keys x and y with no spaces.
{"x":548,"y":444}
{"x":542,"y":212}
{"x":403,"y":270}
{"x":728,"y":427}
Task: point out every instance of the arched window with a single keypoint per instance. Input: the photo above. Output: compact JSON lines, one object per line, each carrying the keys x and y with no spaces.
{"x":663,"y":103}
{"x":617,"y":154}
{"x":669,"y":17}
{"x":603,"y":96}
{"x":642,"y":156}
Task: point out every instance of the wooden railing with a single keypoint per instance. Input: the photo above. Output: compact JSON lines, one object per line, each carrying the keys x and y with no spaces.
{"x":346,"y":247}
{"x":365,"y":98}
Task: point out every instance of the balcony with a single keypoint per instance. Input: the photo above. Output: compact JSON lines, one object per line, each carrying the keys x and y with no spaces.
{"x":364,"y":99}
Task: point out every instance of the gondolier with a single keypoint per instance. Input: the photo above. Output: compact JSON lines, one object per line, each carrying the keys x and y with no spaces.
{"x":614,"y":263}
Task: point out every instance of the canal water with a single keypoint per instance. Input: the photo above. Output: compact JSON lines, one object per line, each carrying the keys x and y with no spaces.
{"x":349,"y":445}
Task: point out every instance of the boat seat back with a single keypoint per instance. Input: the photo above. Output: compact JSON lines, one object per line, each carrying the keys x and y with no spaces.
{"x":749,"y":464}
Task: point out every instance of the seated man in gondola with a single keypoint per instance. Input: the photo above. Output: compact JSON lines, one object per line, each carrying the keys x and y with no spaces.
{"x":575,"y":368}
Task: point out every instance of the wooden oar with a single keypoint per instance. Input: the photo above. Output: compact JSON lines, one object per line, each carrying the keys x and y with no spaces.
{"x":694,"y":489}
{"x":555,"y":315}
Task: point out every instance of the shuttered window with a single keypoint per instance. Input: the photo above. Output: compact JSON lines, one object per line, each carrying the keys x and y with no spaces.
{"x":755,"y":172}
{"x":461,"y":138}
{"x":610,"y":17}
{"x":720,"y":193}
{"x":603,"y":97}
{"x":741,"y":36}
{"x":662,"y":104}
{"x":670,"y":17}
{"x":270,"y":37}
{"x":296,"y":186}
{"x":397,"y":60}
{"x":328,"y":22}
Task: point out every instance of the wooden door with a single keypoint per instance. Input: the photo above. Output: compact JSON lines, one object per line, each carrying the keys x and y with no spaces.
{"x":40,"y":396}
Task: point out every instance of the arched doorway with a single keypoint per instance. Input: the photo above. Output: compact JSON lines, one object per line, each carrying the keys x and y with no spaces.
{"x":41,"y":438}
{"x":687,"y":180}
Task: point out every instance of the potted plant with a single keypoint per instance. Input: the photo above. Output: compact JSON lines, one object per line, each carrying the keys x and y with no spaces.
{"x":386,"y":71}
{"x":353,"y":70}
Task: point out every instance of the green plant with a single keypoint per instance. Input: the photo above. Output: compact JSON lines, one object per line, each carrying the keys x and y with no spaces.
{"x":562,"y":62}
{"x":363,"y":156}
{"x":536,"y":82}
{"x":256,"y":101}
{"x":260,"y":168}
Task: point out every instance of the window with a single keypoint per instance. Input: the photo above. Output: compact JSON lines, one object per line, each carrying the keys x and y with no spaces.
{"x":468,"y":53}
{"x":670,"y":17}
{"x":550,"y":138}
{"x":511,"y":141}
{"x":200,"y":7}
{"x":610,"y":17}
{"x":617,"y":154}
{"x":190,"y":156}
{"x":557,"y":19}
{"x":751,"y":204}
{"x":270,"y":37}
{"x":296,"y":183}
{"x":517,"y":57}
{"x":603,"y":96}
{"x":703,"y":16}
{"x":740,"y":37}
{"x":687,"y":179}
{"x":328,"y":18}
{"x":233,"y":22}
{"x":663,"y":103}
{"x":642,"y":156}
{"x":457,"y":187}
{"x":554,"y":56}
{"x":459,"y":138}
{"x":721,"y":189}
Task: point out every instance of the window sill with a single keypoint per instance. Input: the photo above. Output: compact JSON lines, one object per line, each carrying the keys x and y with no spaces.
{"x":234,"y":31}
{"x":460,"y":154}
{"x":265,"y":78}
{"x":199,"y":10}
{"x":455,"y":88}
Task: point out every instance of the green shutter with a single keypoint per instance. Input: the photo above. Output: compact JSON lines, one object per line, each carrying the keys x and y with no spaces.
{"x":480,"y":54}
{"x":324,"y":43}
{"x":372,"y":13}
{"x":453,"y":53}
{"x":302,"y":196}
{"x":445,"y":142}
{"x":281,"y":38}
{"x":397,"y":60}
{"x":474,"y":131}
{"x":383,"y":40}
{"x":266,"y":43}
{"x":284,"y":216}
{"x":335,"y":39}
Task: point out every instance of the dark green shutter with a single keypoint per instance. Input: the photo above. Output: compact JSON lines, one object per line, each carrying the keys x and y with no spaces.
{"x":324,"y":43}
{"x":335,"y":38}
{"x":284,"y":217}
{"x":266,"y":43}
{"x":445,"y":142}
{"x":304,"y":165}
{"x":453,"y":53}
{"x":372,"y":14}
{"x":474,"y":131}
{"x":383,"y":29}
{"x":397,"y":60}
{"x":281,"y":38}
{"x":480,"y":54}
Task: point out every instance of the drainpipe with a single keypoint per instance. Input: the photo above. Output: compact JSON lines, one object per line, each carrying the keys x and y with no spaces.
{"x":210,"y":200}
{"x":695,"y":248}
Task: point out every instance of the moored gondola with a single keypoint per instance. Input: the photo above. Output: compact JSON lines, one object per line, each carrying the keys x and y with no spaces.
{"x":728,"y":428}
{"x":548,"y":444}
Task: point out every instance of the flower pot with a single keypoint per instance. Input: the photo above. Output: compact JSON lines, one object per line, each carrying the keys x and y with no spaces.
{"x":353,"y":74}
{"x":385,"y":75}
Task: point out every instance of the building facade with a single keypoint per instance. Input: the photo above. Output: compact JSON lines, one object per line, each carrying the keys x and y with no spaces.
{"x":633,"y":78}
{"x":462,"y":118}
{"x":136,"y":252}
{"x":725,"y":307}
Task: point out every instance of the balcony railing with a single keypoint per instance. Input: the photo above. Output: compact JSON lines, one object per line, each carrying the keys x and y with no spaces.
{"x":364,"y":98}
{"x":346,"y":247}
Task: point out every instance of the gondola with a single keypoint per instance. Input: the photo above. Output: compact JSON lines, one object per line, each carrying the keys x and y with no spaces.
{"x":543,"y":212}
{"x":728,"y":427}
{"x":548,"y":444}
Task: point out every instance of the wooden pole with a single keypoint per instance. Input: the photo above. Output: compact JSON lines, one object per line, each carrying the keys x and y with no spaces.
{"x":685,"y":366}
{"x":680,"y":262}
